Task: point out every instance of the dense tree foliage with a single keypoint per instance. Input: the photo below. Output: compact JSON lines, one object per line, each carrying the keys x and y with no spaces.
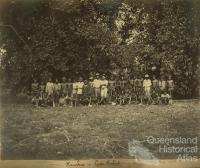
{"x":76,"y":37}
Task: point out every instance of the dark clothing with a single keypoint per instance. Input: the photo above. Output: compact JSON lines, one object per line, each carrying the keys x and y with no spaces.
{"x":69,"y":89}
{"x":64,"y":88}
{"x":35,"y":90}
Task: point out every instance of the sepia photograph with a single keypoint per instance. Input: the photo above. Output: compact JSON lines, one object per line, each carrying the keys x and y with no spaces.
{"x":100,"y":83}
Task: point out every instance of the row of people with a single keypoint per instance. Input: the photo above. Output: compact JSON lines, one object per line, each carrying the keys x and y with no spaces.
{"x":99,"y":90}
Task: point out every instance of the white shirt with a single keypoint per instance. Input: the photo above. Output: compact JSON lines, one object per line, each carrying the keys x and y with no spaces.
{"x":165,"y":96}
{"x":49,"y":87}
{"x":97,"y":83}
{"x":80,"y":87}
{"x":74,"y":86}
{"x":162,"y":84}
{"x":104,"y":84}
{"x":147,"y":83}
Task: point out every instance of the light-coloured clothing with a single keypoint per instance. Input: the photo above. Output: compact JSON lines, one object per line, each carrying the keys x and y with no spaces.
{"x":49,"y":88}
{"x":165,"y":96}
{"x":74,"y":88}
{"x":104,"y":84}
{"x":97,"y":83}
{"x":62,"y":101}
{"x":80,"y":88}
{"x":104,"y":88}
{"x":147,"y":83}
{"x":147,"y":87}
{"x":162,"y":84}
{"x":97,"y":92}
{"x":104,"y":92}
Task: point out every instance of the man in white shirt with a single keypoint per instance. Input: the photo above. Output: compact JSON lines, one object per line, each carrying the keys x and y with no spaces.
{"x":79,"y":85}
{"x":49,"y":87}
{"x":104,"y":89}
{"x":97,"y":85}
{"x":147,"y":87}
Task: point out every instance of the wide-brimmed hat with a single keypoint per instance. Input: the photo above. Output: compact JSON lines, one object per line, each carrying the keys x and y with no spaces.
{"x":97,"y":74}
{"x":146,"y":76}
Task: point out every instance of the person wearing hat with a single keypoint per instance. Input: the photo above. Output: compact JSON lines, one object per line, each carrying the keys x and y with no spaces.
{"x":96,"y":85}
{"x":91,"y":81}
{"x":147,"y":88}
{"x":104,"y":88}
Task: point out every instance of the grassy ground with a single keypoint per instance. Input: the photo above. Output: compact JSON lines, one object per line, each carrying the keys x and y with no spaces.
{"x":97,"y":132}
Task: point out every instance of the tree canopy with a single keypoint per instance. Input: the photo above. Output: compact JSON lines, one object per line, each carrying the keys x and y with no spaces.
{"x":76,"y":37}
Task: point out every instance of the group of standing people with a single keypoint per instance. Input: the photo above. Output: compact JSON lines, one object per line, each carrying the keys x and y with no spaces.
{"x":98,"y":90}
